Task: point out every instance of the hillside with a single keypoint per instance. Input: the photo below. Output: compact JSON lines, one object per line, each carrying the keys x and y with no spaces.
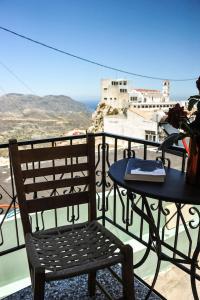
{"x":101,"y":111}
{"x":51,"y":103}
{"x":30,"y":116}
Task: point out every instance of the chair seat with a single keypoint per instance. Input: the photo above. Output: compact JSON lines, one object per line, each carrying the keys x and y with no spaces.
{"x":73,"y":249}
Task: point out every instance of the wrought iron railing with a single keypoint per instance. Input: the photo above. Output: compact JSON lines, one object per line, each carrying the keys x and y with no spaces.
{"x":178,"y":226}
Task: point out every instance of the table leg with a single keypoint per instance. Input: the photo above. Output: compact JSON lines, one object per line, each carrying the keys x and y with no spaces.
{"x":154,"y":238}
{"x":194,"y":267}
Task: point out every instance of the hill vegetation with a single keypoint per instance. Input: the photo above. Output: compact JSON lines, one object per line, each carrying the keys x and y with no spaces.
{"x":30,"y":116}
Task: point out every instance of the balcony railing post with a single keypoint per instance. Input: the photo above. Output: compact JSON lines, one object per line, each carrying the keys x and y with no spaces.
{"x":103,"y":177}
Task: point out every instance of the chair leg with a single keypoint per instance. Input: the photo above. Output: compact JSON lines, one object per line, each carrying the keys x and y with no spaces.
{"x":38,"y":284}
{"x":30,"y":270}
{"x":127,"y":273}
{"x":92,"y":283}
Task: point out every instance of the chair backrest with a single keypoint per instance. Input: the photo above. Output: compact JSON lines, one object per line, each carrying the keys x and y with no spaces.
{"x":43,"y":174}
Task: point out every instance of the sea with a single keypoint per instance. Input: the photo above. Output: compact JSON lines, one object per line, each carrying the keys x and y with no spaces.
{"x":91,"y":104}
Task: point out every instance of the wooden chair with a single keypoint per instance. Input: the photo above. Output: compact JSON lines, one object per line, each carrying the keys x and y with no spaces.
{"x":70,"y":250}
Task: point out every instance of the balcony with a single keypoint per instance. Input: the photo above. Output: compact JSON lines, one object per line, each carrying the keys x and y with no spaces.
{"x":178,"y":226}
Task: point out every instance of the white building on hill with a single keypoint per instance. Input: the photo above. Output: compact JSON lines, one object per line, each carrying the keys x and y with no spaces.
{"x":144,"y":109}
{"x":119,"y":94}
{"x":115,"y":93}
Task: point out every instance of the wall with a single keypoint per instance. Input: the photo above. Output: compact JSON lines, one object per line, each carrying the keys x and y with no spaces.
{"x":133,"y":125}
{"x":113,"y":96}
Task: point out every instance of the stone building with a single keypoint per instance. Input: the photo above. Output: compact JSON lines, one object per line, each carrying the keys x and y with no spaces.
{"x":115,"y":93}
{"x":118,"y":93}
{"x":131,"y":112}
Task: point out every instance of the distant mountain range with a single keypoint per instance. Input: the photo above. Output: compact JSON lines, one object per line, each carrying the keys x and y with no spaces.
{"x":20,"y":103}
{"x":30,"y":116}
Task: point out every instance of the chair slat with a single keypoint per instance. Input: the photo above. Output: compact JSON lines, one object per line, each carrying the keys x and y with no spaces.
{"x":46,"y":203}
{"x":44,"y":154}
{"x":54,"y":170}
{"x":54,"y":184}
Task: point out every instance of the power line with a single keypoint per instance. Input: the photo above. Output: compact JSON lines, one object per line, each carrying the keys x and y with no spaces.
{"x":2,"y":89}
{"x":91,"y":61}
{"x":16,"y":77}
{"x":14,"y":104}
{"x":19,"y":79}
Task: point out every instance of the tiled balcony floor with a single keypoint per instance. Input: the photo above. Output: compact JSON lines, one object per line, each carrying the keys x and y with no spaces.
{"x":76,"y":289}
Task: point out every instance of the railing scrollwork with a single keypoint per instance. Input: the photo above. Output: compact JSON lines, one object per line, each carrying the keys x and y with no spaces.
{"x":121,"y":208}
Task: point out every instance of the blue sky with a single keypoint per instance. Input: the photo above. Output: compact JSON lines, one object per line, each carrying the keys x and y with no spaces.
{"x":152,"y":37}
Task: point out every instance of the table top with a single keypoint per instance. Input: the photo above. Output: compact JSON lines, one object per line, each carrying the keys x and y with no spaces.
{"x":174,"y":189}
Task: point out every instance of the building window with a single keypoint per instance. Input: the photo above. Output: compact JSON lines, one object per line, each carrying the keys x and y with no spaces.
{"x":145,"y":99}
{"x":105,"y":98}
{"x":105,"y":89}
{"x":150,"y":135}
{"x":133,"y":98}
{"x":125,"y":83}
{"x":123,"y":90}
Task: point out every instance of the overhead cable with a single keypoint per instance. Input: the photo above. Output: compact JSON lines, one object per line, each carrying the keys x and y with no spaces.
{"x":2,"y":89}
{"x":14,"y":104}
{"x":16,"y":77}
{"x":91,"y":61}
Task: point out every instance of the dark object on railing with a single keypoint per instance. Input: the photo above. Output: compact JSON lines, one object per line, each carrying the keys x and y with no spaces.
{"x":69,"y":250}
